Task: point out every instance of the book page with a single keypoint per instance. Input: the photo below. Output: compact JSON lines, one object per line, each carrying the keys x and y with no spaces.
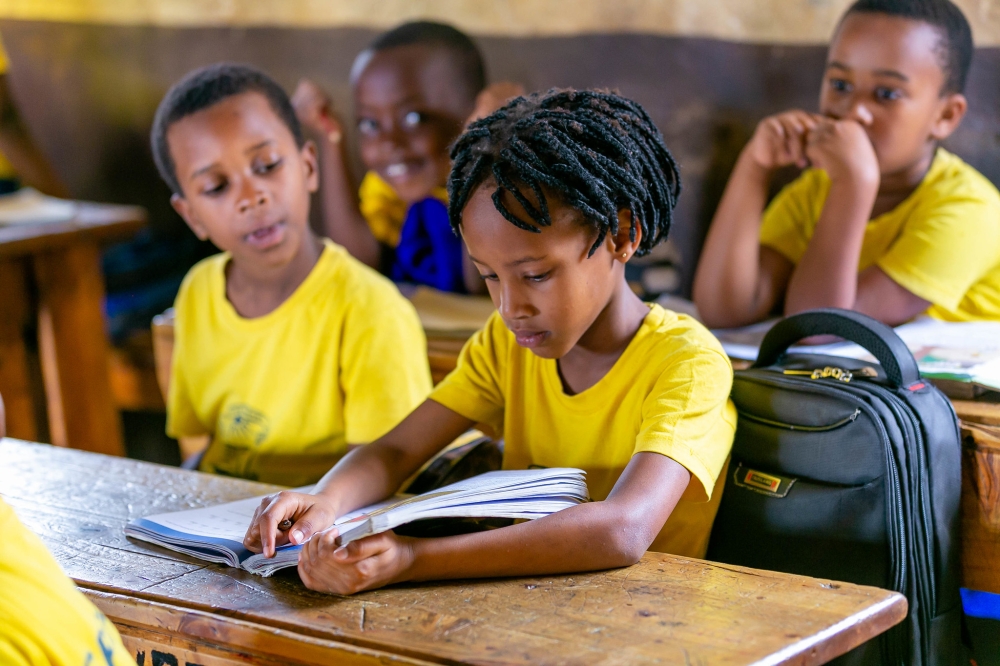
{"x":225,"y":521}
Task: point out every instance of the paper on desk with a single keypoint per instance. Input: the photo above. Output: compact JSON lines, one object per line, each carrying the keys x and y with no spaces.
{"x":222,"y":521}
{"x":29,"y":206}
{"x":959,"y":351}
{"x":455,"y":314}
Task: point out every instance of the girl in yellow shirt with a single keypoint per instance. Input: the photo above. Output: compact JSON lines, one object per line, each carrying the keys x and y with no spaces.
{"x":553,"y":195}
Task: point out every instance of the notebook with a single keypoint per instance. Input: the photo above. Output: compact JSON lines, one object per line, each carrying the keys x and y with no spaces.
{"x":967,"y":352}
{"x":215,"y":534}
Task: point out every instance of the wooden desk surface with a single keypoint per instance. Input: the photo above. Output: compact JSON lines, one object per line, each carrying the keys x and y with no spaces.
{"x":97,"y":222}
{"x":665,"y":608}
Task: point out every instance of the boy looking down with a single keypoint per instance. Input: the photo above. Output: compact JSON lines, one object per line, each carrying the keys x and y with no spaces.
{"x":288,"y":351}
{"x":884,"y":221}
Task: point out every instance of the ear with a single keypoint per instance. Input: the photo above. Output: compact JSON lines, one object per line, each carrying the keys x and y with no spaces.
{"x":950,"y":116}
{"x":311,"y":161}
{"x":183,"y":209}
{"x":622,"y":247}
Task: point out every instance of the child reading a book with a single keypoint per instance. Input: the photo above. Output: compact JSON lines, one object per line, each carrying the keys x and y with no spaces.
{"x":414,"y":88}
{"x":288,"y":351}
{"x":553,"y":194}
{"x":884,"y":221}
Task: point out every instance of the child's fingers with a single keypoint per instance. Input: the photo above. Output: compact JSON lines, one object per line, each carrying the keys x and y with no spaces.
{"x":314,"y":519}
{"x":362,"y":549}
{"x":282,"y":506}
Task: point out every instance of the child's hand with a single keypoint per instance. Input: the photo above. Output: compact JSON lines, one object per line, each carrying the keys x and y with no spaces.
{"x":314,"y":109}
{"x":492,"y":97}
{"x":844,"y":151}
{"x":308,"y":515}
{"x":781,"y":140}
{"x":365,"y":564}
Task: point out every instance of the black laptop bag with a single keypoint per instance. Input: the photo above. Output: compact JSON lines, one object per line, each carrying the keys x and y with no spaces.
{"x":850,"y":471}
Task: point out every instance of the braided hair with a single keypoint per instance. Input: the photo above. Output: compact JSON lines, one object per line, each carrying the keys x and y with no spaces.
{"x":595,"y":150}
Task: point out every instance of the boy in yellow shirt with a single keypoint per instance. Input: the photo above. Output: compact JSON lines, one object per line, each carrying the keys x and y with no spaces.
{"x":884,"y":222}
{"x":288,"y":351}
{"x":44,"y":620}
{"x":553,"y":194}
{"x":413,"y":88}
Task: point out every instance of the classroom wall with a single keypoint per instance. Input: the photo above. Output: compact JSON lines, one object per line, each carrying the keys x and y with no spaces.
{"x":88,"y":74}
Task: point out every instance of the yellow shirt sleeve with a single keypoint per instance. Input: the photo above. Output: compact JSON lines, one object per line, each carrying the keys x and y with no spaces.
{"x":946,"y":246}
{"x":789,"y":220}
{"x":384,"y":370}
{"x":474,"y":388}
{"x":688,"y":417}
{"x":44,"y":620}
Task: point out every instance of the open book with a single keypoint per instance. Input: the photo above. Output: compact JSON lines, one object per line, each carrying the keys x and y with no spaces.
{"x":215,"y":534}
{"x":966,"y":352}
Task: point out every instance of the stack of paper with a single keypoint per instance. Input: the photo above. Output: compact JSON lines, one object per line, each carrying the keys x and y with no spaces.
{"x":28,"y":206}
{"x":957,"y":351}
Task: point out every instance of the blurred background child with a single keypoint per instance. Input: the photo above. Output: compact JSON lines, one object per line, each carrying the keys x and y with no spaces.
{"x":414,"y":88}
{"x":288,"y":350}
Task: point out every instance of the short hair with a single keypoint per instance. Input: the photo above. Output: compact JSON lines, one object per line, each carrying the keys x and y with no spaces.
{"x":955,"y":48}
{"x":204,"y":88}
{"x":468,"y":59}
{"x":595,"y":150}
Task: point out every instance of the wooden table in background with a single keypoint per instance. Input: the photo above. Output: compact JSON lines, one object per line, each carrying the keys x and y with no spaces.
{"x":50,"y":273}
{"x":671,"y":609}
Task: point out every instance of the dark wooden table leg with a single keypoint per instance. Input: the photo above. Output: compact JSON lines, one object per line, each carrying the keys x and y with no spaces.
{"x":15,"y":375}
{"x":75,"y":353}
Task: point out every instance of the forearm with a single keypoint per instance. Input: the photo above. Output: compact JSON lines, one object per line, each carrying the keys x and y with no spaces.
{"x":342,"y":219}
{"x":827,"y":274}
{"x":586,"y":537}
{"x":728,"y":287}
{"x":374,"y":471}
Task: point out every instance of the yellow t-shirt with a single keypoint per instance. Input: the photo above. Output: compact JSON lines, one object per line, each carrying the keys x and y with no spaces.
{"x":340,"y":362}
{"x":942,"y":243}
{"x":6,"y":168}
{"x":44,"y":620}
{"x":384,"y":211}
{"x":668,"y":393}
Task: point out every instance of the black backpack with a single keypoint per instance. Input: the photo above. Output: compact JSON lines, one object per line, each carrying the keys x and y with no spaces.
{"x":850,"y":471}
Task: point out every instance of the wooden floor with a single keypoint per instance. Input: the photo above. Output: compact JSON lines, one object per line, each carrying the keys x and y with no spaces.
{"x":665,"y":609}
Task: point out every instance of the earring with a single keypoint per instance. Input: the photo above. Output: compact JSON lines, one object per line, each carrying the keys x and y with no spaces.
{"x":624,"y":255}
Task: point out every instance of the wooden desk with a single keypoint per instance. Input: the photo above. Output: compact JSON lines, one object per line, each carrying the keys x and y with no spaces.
{"x":50,"y":274}
{"x":672,"y":609}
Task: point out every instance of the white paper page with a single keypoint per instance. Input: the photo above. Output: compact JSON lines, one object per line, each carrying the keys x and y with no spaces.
{"x":223,"y":521}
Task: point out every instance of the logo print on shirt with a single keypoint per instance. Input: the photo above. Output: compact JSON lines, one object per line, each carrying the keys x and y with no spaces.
{"x":242,"y":424}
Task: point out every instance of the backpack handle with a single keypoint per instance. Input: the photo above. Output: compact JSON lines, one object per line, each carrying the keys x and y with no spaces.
{"x":897,"y":361}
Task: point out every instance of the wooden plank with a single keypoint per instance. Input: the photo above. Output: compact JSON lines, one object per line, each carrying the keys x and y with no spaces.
{"x":15,"y":374}
{"x":205,"y":639}
{"x":981,"y":507}
{"x":666,"y":608}
{"x":96,"y":223}
{"x":71,"y":294}
{"x":985,"y":411}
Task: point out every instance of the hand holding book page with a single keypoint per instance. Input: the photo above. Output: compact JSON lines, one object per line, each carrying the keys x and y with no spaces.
{"x":216,"y":533}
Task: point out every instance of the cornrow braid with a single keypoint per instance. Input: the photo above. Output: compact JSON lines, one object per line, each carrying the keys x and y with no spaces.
{"x":597,"y":151}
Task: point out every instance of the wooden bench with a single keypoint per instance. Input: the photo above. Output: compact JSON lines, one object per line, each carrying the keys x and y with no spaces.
{"x":175,"y":609}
